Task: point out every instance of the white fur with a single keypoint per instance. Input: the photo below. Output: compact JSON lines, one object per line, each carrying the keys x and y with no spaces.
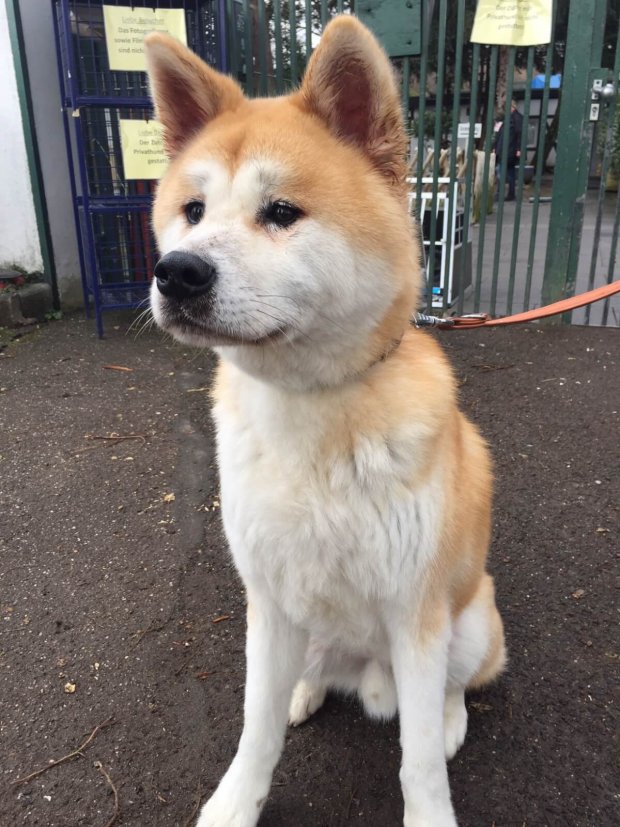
{"x":330,"y":552}
{"x":264,"y":285}
{"x":334,"y":518}
{"x":327,"y":550}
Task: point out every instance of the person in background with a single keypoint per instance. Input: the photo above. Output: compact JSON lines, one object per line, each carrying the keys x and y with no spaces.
{"x":515,"y":125}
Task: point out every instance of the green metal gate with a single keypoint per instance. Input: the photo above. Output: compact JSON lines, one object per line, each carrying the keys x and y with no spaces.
{"x":560,"y":234}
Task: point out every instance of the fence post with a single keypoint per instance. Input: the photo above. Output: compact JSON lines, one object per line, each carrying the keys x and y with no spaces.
{"x":584,"y":43}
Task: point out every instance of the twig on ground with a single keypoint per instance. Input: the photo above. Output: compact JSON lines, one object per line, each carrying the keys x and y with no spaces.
{"x":111,"y":439}
{"x":141,"y":633}
{"x":116,"y":812}
{"x":487,"y":368}
{"x":117,"y":437}
{"x":75,"y":754}
{"x":351,"y":800}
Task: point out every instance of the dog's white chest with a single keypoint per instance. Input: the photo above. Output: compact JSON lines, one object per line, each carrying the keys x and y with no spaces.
{"x":331,"y":532}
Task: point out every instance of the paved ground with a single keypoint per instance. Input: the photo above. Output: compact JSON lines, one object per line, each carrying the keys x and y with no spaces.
{"x":119,"y":601}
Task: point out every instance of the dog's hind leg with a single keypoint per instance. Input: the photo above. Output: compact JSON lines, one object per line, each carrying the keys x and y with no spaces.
{"x":327,"y":669}
{"x":476,"y":655}
{"x":377,"y":691}
{"x":307,"y":698}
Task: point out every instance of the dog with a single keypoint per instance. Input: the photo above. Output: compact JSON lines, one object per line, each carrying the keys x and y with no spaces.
{"x":355,"y":496}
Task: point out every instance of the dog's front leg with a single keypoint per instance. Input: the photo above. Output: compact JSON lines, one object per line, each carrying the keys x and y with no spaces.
{"x":274,"y":654}
{"x":419,"y":662}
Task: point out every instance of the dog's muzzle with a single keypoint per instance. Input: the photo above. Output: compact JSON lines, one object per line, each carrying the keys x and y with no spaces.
{"x":182,"y":275}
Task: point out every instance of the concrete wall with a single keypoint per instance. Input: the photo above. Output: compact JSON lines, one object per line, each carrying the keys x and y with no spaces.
{"x":19,"y":237}
{"x":38,"y":32}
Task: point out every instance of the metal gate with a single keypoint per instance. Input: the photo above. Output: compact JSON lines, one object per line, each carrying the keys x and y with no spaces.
{"x":112,"y":214}
{"x":558,"y":236}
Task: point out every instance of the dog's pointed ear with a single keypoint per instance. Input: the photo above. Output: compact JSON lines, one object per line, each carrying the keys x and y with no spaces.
{"x":187,"y":93}
{"x":350,"y":84}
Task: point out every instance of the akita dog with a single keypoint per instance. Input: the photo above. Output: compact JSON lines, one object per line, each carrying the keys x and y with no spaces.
{"x":355,"y":496}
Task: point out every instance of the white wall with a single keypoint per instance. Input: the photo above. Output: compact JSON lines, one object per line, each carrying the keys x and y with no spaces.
{"x":38,"y":31}
{"x":19,"y":237}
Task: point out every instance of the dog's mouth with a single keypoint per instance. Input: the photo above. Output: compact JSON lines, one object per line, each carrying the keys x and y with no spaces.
{"x":215,"y":334}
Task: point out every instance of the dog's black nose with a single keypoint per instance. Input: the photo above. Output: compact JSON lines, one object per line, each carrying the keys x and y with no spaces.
{"x":183,"y":275}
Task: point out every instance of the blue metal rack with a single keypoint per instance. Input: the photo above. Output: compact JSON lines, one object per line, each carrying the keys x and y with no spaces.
{"x":112,"y":216}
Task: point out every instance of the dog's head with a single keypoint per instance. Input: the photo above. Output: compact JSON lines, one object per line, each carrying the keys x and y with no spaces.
{"x":282,"y":223}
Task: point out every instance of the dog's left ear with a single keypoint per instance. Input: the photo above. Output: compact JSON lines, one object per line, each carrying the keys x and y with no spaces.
{"x":350,"y":84}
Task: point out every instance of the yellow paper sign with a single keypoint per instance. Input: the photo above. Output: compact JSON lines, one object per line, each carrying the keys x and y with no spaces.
{"x":512,"y":22}
{"x":143,"y":150}
{"x":126,"y":28}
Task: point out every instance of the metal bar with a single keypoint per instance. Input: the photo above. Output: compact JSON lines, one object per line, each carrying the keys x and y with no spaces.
{"x":469,"y":174}
{"x":544,"y":109}
{"x":614,"y":238}
{"x":224,"y":64}
{"x":112,"y":100}
{"x":324,"y":14}
{"x":234,"y":43}
{"x":608,"y":124}
{"x":422,"y":108}
{"x":405,"y":88}
{"x":248,"y":33}
{"x":612,"y":256}
{"x":452,"y":190}
{"x":522,"y":162}
{"x":586,"y":22}
{"x":308,"y":29}
{"x":339,"y":6}
{"x":492,"y":81}
{"x":441,"y":53}
{"x":69,"y":151}
{"x":263,"y":44}
{"x":44,"y":233}
{"x":292,"y":24}
{"x":85,"y":222}
{"x":510,"y":73}
{"x":277,"y":24}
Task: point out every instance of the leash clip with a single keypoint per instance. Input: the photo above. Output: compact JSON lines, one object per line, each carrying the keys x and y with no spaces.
{"x":422,"y":320}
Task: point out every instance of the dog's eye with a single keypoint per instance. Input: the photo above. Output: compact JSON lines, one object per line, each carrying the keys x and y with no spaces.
{"x":280,"y":213}
{"x":194,"y":211}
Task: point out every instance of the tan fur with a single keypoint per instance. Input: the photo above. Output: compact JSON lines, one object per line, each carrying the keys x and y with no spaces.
{"x":374,"y":219}
{"x":292,"y":438}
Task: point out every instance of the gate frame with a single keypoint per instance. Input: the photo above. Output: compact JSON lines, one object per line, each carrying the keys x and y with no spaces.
{"x":584,"y":46}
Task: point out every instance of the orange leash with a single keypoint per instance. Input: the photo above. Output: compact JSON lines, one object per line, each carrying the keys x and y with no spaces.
{"x":483,"y":320}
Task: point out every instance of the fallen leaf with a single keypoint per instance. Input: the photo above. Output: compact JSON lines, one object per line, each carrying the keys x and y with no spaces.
{"x":578,"y":594}
{"x":69,"y":688}
{"x":169,"y":498}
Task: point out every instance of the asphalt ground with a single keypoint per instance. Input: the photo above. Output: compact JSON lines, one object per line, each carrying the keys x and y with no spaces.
{"x":120,"y":608}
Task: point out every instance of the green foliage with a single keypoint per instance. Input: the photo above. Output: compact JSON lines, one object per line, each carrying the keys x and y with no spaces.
{"x":53,"y":316}
{"x":429,"y":126}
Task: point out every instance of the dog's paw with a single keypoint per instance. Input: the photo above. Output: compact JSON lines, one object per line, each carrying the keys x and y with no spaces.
{"x":305,"y":702}
{"x":455,"y":723}
{"x":377,"y":691}
{"x":432,"y":820}
{"x":223,"y":811}
{"x":237,"y":802}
